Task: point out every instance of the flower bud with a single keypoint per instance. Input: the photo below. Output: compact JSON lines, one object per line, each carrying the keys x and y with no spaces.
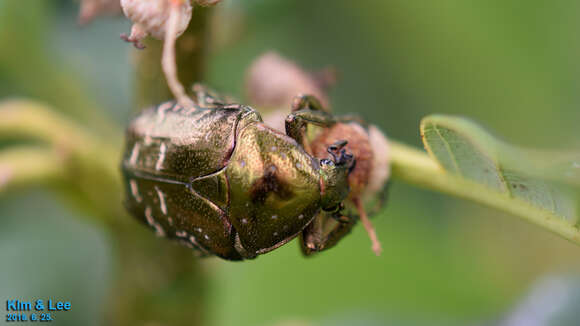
{"x":150,"y":17}
{"x":273,"y":81}
{"x":90,"y":9}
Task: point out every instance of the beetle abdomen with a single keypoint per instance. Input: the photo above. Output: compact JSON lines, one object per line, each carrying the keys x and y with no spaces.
{"x":176,"y":210}
{"x":181,"y":144}
{"x":173,"y":166}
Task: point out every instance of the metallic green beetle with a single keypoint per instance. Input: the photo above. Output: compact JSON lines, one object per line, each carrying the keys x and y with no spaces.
{"x":223,"y":183}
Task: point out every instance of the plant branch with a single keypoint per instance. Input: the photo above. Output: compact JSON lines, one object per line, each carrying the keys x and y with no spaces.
{"x":28,"y":166}
{"x":85,"y":168}
{"x":31,"y":120}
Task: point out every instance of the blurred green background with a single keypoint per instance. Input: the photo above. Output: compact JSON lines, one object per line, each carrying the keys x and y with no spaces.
{"x":512,"y":65}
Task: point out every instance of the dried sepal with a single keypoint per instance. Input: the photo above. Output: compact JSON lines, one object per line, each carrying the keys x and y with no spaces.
{"x":381,"y":166}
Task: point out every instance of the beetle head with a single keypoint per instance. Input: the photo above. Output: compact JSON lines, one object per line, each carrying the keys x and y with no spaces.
{"x":334,"y":173}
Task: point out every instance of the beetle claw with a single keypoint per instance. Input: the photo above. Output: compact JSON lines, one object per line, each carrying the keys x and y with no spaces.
{"x":341,"y":218}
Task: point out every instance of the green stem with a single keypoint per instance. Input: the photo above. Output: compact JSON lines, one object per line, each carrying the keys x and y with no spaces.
{"x":35,"y":121}
{"x":85,"y":168}
{"x":159,"y":282}
{"x":23,"y":167}
{"x":417,"y":168}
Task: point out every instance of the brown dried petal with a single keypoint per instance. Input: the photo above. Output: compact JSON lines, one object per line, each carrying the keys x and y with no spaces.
{"x":381,"y":168}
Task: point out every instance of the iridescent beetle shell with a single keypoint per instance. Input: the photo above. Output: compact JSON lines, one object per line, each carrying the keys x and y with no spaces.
{"x":220,"y":181}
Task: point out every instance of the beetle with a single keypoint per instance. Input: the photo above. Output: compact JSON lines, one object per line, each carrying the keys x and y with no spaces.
{"x":216,"y":178}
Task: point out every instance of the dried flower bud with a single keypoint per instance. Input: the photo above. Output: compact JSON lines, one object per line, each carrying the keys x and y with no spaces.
{"x":273,"y":81}
{"x":150,"y":17}
{"x":90,"y":9}
{"x":358,"y":145}
{"x":369,"y":147}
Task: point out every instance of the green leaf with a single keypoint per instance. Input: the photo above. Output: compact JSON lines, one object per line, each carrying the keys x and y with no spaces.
{"x":464,"y":149}
{"x":560,"y":166}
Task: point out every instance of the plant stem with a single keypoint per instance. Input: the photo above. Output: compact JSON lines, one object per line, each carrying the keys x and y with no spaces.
{"x":416,"y":167}
{"x":157,"y":282}
{"x":75,"y":161}
{"x":160,"y":282}
{"x":28,"y":166}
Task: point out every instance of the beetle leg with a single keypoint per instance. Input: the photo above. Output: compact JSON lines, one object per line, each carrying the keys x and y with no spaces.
{"x":353,"y":118}
{"x":297,"y":121}
{"x":303,"y":101}
{"x":205,"y":96}
{"x":324,"y":232}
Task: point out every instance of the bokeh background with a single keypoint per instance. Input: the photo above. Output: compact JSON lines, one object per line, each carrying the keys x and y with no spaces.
{"x":512,"y":65}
